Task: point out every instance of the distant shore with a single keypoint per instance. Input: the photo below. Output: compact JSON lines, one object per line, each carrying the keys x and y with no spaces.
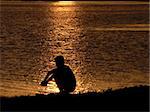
{"x":87,"y":2}
{"x":78,"y":0}
{"x":132,"y":99}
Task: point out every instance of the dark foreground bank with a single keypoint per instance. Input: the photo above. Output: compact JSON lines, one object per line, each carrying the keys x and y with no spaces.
{"x":133,"y":98}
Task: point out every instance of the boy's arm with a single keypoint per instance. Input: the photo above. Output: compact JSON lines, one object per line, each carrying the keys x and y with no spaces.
{"x":47,"y":78}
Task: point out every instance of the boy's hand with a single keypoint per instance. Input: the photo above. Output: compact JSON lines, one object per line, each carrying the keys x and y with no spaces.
{"x":44,"y":83}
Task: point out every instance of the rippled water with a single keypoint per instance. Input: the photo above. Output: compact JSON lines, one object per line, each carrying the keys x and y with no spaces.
{"x":106,"y":45}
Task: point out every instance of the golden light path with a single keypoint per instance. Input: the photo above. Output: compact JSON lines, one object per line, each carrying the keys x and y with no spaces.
{"x":63,"y":29}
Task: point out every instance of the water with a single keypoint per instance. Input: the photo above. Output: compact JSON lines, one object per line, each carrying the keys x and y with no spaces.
{"x":106,"y":44}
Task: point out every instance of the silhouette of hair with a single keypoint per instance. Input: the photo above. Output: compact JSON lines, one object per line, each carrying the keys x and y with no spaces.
{"x":59,"y":61}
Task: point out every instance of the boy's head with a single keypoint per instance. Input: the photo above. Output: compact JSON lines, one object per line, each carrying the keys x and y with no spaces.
{"x":59,"y":61}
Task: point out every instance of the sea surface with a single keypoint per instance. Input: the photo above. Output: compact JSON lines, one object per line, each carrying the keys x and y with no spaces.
{"x":105,"y":43}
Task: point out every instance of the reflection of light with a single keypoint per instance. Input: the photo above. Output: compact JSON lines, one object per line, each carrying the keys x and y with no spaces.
{"x":64,"y":3}
{"x":52,"y":87}
{"x":65,"y":30}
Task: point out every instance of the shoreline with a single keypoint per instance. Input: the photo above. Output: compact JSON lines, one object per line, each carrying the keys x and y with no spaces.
{"x":132,"y":98}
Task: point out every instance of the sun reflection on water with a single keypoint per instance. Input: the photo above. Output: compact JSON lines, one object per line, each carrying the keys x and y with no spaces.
{"x":65,"y":32}
{"x":52,"y":87}
{"x":64,"y":3}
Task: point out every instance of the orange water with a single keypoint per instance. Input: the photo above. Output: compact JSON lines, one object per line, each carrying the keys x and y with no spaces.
{"x":106,"y":44}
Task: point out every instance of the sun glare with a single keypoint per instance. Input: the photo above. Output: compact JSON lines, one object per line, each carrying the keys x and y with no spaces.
{"x":64,"y":3}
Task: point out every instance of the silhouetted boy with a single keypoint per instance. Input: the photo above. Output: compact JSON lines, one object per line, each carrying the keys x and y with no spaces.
{"x":63,"y":76}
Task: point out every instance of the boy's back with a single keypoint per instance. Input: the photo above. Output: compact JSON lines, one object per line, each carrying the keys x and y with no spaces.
{"x":64,"y":78}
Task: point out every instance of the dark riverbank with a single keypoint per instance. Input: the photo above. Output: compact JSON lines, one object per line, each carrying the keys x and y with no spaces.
{"x":133,"y":98}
